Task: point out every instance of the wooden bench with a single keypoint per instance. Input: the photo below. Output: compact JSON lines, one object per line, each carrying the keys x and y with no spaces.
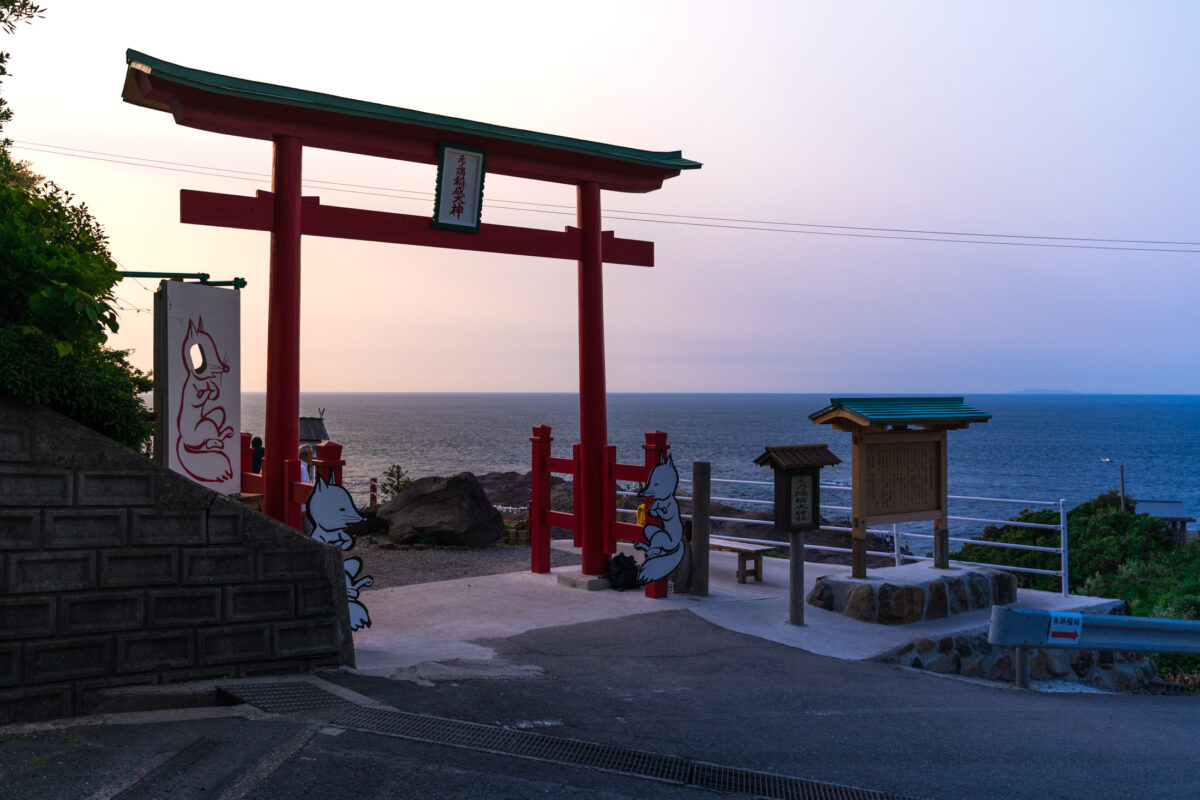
{"x":745,"y":552}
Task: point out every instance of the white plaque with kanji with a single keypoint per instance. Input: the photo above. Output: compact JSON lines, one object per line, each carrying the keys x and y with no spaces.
{"x":459,"y":197}
{"x":802,"y":500}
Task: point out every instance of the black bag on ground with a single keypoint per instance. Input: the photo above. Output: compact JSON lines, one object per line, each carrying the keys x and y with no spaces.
{"x":623,"y":572}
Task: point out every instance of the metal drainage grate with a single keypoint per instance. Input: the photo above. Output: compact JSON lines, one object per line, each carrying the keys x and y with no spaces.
{"x":765,"y":784}
{"x":283,"y":698}
{"x":491,"y":739}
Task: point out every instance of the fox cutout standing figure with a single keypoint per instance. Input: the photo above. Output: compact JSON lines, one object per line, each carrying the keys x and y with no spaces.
{"x":663,"y":543}
{"x":200,"y":428}
{"x":331,"y":509}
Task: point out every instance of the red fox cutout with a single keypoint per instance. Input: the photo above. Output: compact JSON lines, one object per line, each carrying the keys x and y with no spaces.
{"x":200,"y":428}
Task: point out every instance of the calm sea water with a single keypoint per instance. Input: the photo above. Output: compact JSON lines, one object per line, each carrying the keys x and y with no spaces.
{"x":1036,"y":447}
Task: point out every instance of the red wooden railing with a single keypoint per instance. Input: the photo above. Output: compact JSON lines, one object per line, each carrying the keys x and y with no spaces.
{"x":328,"y":461}
{"x":542,"y":518}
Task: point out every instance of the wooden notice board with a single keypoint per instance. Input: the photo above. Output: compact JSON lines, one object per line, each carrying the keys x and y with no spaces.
{"x":900,"y":476}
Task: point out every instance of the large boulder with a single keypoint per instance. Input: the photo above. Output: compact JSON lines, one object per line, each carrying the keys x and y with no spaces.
{"x":444,"y":511}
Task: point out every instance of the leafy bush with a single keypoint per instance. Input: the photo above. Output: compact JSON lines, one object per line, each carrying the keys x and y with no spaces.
{"x":92,"y":384}
{"x":56,"y":275}
{"x":1168,"y":586}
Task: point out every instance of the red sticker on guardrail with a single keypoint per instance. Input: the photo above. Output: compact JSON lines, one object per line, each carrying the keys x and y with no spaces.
{"x":1064,"y":627}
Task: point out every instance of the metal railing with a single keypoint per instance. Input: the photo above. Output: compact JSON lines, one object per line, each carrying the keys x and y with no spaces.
{"x":1023,"y":629}
{"x":896,"y":535}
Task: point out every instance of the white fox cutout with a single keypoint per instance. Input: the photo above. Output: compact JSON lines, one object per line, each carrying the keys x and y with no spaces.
{"x":331,"y":509}
{"x":359,"y":617}
{"x":663,"y":545}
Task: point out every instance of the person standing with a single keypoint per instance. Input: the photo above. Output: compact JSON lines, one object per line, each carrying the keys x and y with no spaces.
{"x":256,"y":448}
{"x":307,"y":472}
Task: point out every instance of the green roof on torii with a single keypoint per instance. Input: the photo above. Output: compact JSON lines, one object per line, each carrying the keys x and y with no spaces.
{"x":241,"y":107}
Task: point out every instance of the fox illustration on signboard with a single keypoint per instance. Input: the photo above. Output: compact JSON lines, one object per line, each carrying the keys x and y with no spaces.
{"x":201,"y":431}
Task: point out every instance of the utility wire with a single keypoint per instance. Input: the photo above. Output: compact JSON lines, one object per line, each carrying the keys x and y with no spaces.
{"x":728,"y":223}
{"x":138,"y":281}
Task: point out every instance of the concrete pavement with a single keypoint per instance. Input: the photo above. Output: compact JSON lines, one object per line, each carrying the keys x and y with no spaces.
{"x":721,"y":680}
{"x":417,"y":628}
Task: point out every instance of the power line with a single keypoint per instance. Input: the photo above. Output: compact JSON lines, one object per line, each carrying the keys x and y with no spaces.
{"x":926,"y":238}
{"x":727,"y":223}
{"x":138,"y":281}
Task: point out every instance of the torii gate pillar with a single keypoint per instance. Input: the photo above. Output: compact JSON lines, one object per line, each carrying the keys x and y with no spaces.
{"x":593,"y":410}
{"x":282,"y":424}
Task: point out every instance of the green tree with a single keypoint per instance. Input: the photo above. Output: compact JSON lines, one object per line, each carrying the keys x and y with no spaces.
{"x":56,"y":295}
{"x":395,"y":481}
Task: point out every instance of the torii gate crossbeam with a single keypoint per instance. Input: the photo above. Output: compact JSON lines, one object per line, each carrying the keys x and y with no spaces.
{"x":293,"y":119}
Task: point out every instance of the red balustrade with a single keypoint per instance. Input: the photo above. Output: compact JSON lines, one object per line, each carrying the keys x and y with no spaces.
{"x":542,"y":518}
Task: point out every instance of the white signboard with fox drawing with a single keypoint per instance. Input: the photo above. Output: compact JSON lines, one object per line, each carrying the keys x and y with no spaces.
{"x":197,"y":374}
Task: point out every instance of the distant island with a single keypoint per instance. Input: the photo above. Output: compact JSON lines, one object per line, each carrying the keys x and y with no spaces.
{"x":1052,"y":391}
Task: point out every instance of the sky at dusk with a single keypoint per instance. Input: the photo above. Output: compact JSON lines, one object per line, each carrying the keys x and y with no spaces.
{"x":1020,"y":119}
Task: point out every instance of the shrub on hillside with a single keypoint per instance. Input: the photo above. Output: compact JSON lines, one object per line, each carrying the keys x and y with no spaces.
{"x":1100,"y":538}
{"x":92,"y":384}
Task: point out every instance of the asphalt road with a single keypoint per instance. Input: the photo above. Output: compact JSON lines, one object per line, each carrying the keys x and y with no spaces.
{"x":665,"y":683}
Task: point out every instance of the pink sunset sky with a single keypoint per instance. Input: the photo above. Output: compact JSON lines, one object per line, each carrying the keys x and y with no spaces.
{"x":1015,"y":119}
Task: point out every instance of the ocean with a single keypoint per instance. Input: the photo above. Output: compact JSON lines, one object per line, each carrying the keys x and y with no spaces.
{"x":1035,"y":447}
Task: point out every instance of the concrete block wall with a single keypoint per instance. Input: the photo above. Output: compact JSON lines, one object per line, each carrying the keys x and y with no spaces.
{"x":115,"y":571}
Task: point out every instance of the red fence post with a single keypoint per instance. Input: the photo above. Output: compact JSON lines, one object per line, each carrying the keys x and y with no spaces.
{"x":539,"y":501}
{"x":374,"y":496}
{"x":610,"y":499}
{"x":577,"y":494}
{"x":328,"y":459}
{"x":655,"y":448}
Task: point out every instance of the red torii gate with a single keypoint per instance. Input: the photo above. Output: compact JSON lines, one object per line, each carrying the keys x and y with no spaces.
{"x":293,"y":119}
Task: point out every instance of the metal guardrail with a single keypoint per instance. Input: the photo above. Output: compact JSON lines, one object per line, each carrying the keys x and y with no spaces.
{"x":1022,"y":629}
{"x":1017,"y":627}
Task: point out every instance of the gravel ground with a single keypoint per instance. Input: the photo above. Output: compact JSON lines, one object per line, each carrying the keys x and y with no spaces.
{"x":401,"y":565}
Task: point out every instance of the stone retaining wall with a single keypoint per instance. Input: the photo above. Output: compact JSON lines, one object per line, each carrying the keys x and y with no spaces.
{"x":899,"y":603}
{"x":115,"y":571}
{"x":971,"y":656}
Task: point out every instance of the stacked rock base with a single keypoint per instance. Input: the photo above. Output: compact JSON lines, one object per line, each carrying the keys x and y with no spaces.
{"x":902,"y":595}
{"x":971,"y":656}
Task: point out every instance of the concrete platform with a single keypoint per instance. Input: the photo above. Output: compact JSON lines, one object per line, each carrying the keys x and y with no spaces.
{"x":428,"y":631}
{"x":913,"y":593}
{"x":577,"y":580}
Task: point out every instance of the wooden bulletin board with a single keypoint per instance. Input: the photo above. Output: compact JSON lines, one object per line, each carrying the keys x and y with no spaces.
{"x":900,"y":476}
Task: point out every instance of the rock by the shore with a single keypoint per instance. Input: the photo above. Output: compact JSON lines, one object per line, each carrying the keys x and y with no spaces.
{"x":451,"y":510}
{"x":512,"y":489}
